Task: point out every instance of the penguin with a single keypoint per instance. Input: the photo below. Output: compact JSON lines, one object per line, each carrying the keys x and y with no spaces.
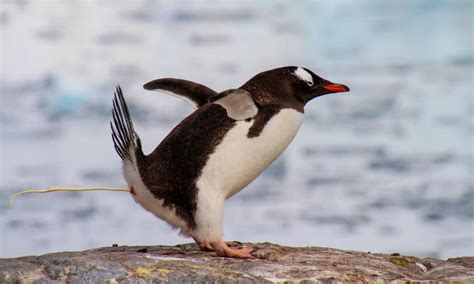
{"x":215,"y":152}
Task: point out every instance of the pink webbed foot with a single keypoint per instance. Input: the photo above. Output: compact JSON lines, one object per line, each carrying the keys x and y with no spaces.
{"x":222,"y":249}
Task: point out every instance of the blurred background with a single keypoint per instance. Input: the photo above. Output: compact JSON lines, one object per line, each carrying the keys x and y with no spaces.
{"x":385,"y":168}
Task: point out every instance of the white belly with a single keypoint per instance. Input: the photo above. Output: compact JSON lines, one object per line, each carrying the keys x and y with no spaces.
{"x":238,"y":160}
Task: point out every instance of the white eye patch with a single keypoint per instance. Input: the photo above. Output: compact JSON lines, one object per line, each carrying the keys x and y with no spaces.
{"x":304,"y":75}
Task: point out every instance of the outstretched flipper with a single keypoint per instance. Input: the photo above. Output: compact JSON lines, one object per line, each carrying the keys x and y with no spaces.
{"x":195,"y":94}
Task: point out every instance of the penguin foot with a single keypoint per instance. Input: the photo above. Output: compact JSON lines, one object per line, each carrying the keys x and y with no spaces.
{"x":222,"y":249}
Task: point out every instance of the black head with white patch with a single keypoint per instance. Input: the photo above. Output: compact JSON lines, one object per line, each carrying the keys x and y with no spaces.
{"x":290,"y":86}
{"x":309,"y":85}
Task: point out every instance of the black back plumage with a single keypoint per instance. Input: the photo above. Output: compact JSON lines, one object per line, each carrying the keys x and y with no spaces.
{"x":171,"y":171}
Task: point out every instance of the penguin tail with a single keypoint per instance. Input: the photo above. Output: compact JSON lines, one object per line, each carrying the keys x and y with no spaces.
{"x":126,"y":140}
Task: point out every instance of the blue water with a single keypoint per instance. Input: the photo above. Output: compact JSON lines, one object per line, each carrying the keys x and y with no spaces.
{"x":386,"y":168}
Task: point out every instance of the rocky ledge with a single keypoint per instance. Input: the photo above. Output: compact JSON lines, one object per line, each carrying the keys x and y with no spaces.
{"x":185,"y":263}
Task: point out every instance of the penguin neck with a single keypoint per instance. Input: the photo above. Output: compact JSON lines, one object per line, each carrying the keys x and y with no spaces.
{"x":271,"y":95}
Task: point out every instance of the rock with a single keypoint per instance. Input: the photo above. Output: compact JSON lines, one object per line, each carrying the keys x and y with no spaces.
{"x":185,"y":263}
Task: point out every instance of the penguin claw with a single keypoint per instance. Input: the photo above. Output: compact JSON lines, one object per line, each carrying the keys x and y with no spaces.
{"x":204,"y":246}
{"x":233,"y":244}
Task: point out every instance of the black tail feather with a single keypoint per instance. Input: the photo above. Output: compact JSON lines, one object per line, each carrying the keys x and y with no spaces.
{"x":124,"y":136}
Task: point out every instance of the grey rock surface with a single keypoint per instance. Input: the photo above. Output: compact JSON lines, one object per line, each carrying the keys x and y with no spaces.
{"x":271,"y":263}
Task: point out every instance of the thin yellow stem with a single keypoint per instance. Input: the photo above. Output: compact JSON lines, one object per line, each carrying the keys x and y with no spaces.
{"x":55,"y":188}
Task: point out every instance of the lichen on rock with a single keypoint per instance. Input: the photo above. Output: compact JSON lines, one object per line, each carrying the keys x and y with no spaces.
{"x":186,"y":263}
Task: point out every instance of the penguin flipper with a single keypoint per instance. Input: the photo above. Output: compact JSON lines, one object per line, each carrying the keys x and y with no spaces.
{"x":195,"y":94}
{"x":238,"y":104}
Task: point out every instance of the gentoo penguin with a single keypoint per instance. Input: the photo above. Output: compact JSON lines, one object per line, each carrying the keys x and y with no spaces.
{"x":216,"y":151}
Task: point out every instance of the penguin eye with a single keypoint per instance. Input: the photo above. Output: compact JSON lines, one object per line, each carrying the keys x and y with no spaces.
{"x":309,"y":83}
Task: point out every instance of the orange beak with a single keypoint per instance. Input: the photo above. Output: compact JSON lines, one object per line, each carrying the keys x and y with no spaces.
{"x":335,"y":88}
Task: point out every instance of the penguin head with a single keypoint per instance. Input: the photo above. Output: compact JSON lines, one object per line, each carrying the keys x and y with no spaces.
{"x":307,"y":85}
{"x":290,"y":86}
